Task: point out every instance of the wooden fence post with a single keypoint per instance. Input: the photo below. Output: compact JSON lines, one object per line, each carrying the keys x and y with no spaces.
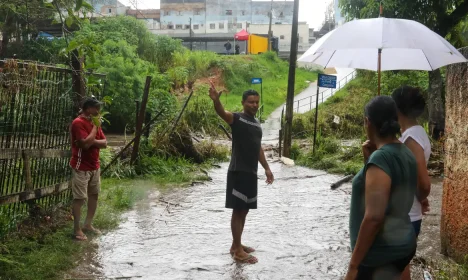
{"x":27,"y":170}
{"x":141,"y":119}
{"x":79,"y":87}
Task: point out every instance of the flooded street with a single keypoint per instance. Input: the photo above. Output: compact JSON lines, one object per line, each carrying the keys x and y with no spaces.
{"x":300,"y":231}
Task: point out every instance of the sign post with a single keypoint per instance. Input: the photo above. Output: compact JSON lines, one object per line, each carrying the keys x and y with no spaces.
{"x":259,"y":81}
{"x":326,"y":81}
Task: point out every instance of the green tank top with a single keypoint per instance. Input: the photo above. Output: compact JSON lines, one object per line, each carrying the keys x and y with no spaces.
{"x":396,"y":239}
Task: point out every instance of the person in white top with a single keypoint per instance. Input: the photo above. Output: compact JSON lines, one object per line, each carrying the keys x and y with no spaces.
{"x":410,"y":103}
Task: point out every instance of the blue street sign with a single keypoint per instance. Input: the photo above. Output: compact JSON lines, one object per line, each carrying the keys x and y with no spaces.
{"x":256,"y":81}
{"x":327,"y":81}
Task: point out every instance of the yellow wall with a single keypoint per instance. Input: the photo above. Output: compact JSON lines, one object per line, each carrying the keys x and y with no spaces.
{"x":257,"y":44}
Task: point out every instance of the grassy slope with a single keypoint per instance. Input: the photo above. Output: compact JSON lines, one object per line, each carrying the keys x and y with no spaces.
{"x":348,"y":104}
{"x":274,"y":73}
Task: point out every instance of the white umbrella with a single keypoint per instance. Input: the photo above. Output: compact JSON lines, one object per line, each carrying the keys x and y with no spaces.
{"x":382,"y":44}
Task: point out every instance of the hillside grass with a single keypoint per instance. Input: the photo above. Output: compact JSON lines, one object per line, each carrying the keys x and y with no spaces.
{"x":239,"y":70}
{"x":347,"y":104}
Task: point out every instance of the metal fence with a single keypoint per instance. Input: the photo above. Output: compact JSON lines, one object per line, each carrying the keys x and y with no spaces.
{"x":308,"y":103}
{"x":37,"y":105}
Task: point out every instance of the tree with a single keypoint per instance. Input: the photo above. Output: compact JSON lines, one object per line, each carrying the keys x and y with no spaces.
{"x":443,"y":17}
{"x":20,"y":19}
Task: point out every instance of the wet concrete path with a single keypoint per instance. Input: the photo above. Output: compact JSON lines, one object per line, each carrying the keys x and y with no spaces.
{"x":300,"y":231}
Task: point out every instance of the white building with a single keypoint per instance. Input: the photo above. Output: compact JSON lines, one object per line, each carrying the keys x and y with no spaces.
{"x":283,"y":32}
{"x":106,"y":8}
{"x":339,"y":20}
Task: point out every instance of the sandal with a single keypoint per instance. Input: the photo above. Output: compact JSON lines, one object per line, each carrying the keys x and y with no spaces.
{"x":248,"y":260}
{"x":80,"y":237}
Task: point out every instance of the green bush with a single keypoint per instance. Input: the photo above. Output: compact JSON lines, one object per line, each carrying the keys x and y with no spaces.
{"x":211,"y":151}
{"x":295,"y":151}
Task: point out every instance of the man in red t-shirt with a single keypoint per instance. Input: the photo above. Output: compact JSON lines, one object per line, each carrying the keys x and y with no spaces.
{"x":86,"y":141}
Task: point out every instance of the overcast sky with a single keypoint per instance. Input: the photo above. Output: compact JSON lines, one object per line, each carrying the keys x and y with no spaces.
{"x":312,"y":11}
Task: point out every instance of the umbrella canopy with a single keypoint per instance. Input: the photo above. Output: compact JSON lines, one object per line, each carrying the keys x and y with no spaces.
{"x":403,"y":44}
{"x":242,"y":35}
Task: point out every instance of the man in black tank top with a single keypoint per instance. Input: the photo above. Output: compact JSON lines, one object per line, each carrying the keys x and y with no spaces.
{"x":241,"y":191}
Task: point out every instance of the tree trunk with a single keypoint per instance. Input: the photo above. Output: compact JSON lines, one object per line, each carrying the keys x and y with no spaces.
{"x":6,"y":32}
{"x":436,"y":105}
{"x":454,"y":220}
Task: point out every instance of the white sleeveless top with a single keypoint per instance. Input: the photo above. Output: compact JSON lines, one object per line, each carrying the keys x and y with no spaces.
{"x":418,"y":134}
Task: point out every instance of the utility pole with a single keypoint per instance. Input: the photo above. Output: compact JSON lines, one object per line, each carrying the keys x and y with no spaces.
{"x":191,"y":43}
{"x":269,"y":28}
{"x":291,"y":81}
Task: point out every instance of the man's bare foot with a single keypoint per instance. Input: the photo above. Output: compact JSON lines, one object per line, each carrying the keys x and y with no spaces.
{"x":247,"y":249}
{"x":91,"y":229}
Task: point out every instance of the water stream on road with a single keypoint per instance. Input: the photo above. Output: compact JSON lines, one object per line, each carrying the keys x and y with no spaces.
{"x":300,"y":231}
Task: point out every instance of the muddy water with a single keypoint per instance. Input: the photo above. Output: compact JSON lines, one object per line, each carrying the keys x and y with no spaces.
{"x":300,"y":231}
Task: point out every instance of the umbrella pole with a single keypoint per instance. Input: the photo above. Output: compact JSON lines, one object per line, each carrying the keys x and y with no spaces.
{"x":380,"y":68}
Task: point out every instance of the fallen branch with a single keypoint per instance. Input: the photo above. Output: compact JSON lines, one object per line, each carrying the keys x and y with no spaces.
{"x":296,"y":177}
{"x":181,"y":113}
{"x":169,"y":203}
{"x":225,"y":131}
{"x":340,"y":182}
{"x":130,"y":143}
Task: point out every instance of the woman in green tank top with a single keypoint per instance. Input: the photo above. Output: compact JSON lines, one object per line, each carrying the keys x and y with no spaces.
{"x":382,"y":237}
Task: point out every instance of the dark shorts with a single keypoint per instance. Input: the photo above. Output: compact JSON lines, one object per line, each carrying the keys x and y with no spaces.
{"x":389,"y":271}
{"x":417,"y":227}
{"x":241,"y":191}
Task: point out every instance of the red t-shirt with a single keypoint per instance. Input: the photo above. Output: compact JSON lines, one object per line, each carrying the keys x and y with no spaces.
{"x":84,"y":160}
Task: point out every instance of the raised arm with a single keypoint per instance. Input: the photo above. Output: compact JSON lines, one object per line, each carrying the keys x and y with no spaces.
{"x":81,"y":136}
{"x":100,"y":143}
{"x":225,"y":115}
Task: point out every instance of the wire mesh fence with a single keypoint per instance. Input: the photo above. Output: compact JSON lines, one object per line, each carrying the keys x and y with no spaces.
{"x":37,"y":105}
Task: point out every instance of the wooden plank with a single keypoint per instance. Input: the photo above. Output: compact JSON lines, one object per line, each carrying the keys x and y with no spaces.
{"x":35,"y":194}
{"x":141,"y":119}
{"x":27,"y":170}
{"x":51,"y":68}
{"x":34,"y":153}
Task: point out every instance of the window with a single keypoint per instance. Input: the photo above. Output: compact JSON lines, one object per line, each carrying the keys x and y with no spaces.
{"x":178,"y":26}
{"x":187,"y":26}
{"x":196,"y":12}
{"x":221,"y":26}
{"x":110,"y":11}
{"x":179,"y":13}
{"x":239,"y":25}
{"x":167,"y":13}
{"x":229,"y":26}
{"x":243,"y":13}
{"x":282,"y":37}
{"x":170,"y":26}
{"x":229,"y":12}
{"x":212,"y":26}
{"x":196,"y":26}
